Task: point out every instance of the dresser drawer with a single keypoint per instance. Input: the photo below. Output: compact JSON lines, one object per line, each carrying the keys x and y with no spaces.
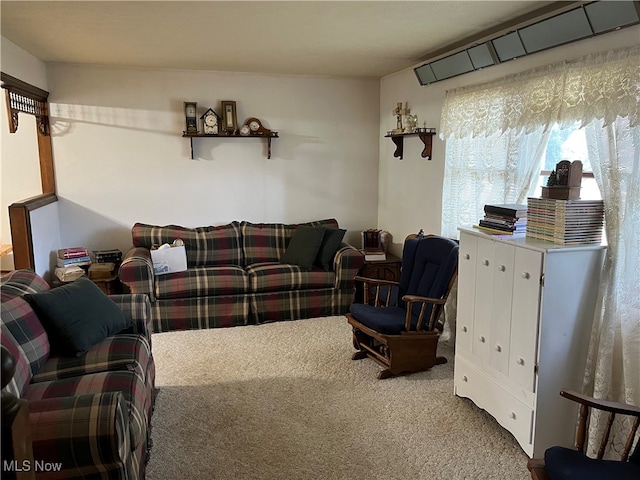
{"x":511,"y":413}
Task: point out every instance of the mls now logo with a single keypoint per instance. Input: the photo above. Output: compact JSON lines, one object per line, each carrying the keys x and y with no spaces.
{"x":26,"y":466}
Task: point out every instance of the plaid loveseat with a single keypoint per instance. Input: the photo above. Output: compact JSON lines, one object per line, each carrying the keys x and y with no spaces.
{"x":234,"y":276}
{"x":91,"y":413}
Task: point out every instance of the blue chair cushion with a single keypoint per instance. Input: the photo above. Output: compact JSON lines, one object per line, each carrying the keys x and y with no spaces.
{"x":385,"y":320}
{"x":566,"y":464}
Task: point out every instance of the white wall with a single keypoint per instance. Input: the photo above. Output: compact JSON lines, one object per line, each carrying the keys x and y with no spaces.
{"x":410,"y":190}
{"x":120,"y":157}
{"x":20,"y":166}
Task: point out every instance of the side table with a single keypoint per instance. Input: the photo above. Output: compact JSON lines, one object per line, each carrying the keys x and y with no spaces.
{"x":110,"y":285}
{"x":388,"y":269}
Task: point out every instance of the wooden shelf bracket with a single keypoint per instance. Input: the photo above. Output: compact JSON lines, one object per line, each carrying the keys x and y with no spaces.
{"x":425,"y":134}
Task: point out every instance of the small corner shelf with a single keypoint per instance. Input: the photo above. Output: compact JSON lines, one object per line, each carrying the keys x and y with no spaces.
{"x":425,"y":134}
{"x":267,"y":137}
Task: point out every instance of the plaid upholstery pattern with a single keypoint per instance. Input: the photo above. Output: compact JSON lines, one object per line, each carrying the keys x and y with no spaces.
{"x":88,"y":434}
{"x":136,"y":307}
{"x":127,"y":382}
{"x":22,"y":375}
{"x":120,"y":352}
{"x":205,"y":246}
{"x":266,"y":242}
{"x":230,"y":294}
{"x":201,"y":312}
{"x":136,"y":271}
{"x":346,"y":265}
{"x":299,"y":304}
{"x":18,"y":282}
{"x":202,"y":282}
{"x":19,"y":321}
{"x":276,"y":277}
{"x":91,"y":413}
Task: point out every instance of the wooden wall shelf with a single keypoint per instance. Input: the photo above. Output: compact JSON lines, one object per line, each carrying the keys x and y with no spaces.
{"x":267,"y":137}
{"x":425,"y":134}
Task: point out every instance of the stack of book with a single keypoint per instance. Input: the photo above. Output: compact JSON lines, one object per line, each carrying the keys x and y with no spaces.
{"x":565,"y":222}
{"x":372,"y":245}
{"x":503,"y":219}
{"x":107,"y":256}
{"x":76,"y":256}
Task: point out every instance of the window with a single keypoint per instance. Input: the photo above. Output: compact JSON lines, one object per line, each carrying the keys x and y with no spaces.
{"x":568,"y":143}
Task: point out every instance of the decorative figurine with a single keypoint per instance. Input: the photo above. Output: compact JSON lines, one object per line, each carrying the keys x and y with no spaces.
{"x":564,"y":182}
{"x":398,"y":112}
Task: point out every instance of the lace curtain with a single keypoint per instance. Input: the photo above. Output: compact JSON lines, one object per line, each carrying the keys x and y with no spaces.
{"x":613,"y":366}
{"x":601,"y":91}
{"x":601,"y":86}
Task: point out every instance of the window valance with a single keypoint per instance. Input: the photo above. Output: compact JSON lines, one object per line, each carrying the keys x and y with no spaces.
{"x":600,"y":86}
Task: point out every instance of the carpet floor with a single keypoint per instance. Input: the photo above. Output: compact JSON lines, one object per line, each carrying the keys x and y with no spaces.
{"x":284,"y":401}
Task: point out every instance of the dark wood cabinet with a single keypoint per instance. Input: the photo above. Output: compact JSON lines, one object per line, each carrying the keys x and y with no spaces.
{"x":388,"y":269}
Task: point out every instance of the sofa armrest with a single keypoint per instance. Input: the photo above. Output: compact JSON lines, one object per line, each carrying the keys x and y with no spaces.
{"x":347,"y":263}
{"x":84,"y":435}
{"x":136,"y":271}
{"x":137,"y":307}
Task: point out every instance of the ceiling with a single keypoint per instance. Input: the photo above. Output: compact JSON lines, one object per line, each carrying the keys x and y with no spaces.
{"x":337,"y":38}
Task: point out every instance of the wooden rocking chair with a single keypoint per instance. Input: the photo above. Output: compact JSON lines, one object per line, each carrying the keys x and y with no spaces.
{"x":562,"y":463}
{"x":400,"y":331}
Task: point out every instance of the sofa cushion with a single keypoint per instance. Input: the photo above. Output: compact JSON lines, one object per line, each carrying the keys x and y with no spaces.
{"x":277,"y":277}
{"x":77,"y":315}
{"x":202,"y":282}
{"x":330,"y":244}
{"x":205,"y":246}
{"x":20,"y":322}
{"x":303,"y":247}
{"x":266,"y":242}
{"x":563,"y":463}
{"x":128,"y":382}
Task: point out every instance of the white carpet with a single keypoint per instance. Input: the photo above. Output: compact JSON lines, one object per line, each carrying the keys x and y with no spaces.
{"x":285,"y":401}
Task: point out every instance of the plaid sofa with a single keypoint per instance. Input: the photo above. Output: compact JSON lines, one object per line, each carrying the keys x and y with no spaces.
{"x":234,"y":276}
{"x":91,"y":413}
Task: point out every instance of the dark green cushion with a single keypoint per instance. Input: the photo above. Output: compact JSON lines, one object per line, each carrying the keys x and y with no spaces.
{"x":77,"y":316}
{"x":303,"y":247}
{"x":330,"y":244}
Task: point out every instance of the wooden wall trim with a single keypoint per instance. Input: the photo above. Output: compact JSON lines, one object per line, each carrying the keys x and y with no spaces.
{"x":29,"y":100}
{"x":21,"y":233}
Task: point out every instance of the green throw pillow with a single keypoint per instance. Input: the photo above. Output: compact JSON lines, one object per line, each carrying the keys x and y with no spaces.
{"x":77,"y":316}
{"x":303,"y":247}
{"x":330,"y":244}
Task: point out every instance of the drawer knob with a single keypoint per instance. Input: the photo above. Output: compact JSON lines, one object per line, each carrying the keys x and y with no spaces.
{"x":482,"y":339}
{"x":485,"y":263}
{"x":502,"y":268}
{"x":520,"y":361}
{"x":526,"y":275}
{"x":498,"y":348}
{"x":467,"y":256}
{"x":464,"y":329}
{"x":512,"y":415}
{"x":464,"y":378}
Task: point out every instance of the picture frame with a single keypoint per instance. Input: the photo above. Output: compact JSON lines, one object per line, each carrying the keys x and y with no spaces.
{"x":229,"y":116}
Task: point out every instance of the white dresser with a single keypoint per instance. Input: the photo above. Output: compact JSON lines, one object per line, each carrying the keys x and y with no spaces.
{"x":525,"y":310}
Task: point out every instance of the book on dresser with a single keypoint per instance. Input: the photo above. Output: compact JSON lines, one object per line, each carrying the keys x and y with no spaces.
{"x":503,"y":219}
{"x":565,"y":222}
